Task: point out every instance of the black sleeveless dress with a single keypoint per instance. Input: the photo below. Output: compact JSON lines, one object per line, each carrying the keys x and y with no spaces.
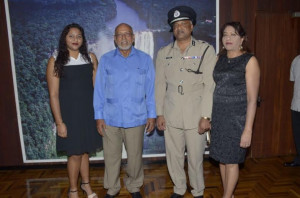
{"x":229,"y":109}
{"x":76,"y":104}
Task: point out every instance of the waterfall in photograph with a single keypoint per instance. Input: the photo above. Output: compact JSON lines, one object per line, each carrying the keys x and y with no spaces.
{"x":144,"y":41}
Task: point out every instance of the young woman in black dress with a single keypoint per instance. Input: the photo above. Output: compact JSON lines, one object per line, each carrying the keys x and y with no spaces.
{"x":70,"y":75}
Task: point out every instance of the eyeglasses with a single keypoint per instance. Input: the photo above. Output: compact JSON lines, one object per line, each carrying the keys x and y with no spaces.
{"x":127,"y":35}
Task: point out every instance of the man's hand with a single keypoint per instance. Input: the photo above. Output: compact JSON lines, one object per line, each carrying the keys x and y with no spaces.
{"x":101,"y":126}
{"x":161,"y":123}
{"x":204,"y":125}
{"x":150,"y":124}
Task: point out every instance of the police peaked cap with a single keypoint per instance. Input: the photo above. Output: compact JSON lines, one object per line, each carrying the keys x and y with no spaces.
{"x":179,"y":13}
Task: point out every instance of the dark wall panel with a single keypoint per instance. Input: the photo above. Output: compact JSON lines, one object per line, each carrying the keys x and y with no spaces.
{"x":242,"y":11}
{"x":10,"y":149}
{"x":276,"y":50}
{"x":276,"y":6}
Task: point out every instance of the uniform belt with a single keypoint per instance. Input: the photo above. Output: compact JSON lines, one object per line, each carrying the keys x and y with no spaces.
{"x":181,"y":89}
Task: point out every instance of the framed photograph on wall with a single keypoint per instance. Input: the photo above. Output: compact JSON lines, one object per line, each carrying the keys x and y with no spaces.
{"x":34,"y":27}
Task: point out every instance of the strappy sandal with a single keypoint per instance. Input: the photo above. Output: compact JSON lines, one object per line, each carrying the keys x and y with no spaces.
{"x":72,"y":191}
{"x":93,"y":195}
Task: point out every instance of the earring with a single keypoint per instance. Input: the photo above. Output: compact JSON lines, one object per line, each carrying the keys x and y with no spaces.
{"x":223,"y":47}
{"x":241,"y":47}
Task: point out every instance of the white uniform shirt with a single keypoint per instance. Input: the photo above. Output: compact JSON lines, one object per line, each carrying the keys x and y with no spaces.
{"x":295,"y":76}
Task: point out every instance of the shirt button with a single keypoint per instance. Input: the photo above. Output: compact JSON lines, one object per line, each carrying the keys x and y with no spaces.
{"x":181,"y":81}
{"x":181,"y":69}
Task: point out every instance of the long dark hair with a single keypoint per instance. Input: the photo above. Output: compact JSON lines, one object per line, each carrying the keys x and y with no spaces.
{"x":239,"y":30}
{"x":63,"y":52}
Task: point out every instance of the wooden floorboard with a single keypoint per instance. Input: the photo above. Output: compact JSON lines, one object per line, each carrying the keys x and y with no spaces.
{"x":259,"y":178}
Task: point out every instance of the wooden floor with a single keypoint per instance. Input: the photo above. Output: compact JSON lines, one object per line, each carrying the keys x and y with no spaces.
{"x":258,"y":178}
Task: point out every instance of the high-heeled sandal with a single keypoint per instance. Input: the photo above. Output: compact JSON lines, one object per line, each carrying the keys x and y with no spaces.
{"x":93,"y":195}
{"x":72,"y":191}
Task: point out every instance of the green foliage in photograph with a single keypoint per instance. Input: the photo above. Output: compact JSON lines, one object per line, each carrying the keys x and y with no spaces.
{"x":36,"y":27}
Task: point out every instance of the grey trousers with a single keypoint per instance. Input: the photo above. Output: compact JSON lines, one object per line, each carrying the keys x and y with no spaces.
{"x":133,"y":139}
{"x":176,"y":141}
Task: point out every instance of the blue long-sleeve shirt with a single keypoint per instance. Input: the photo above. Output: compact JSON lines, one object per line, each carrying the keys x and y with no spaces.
{"x":124,"y":89}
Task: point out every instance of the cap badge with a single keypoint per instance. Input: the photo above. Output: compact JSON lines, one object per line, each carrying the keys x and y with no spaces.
{"x":176,"y":13}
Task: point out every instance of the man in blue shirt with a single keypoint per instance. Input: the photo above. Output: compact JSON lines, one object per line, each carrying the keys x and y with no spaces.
{"x":124,"y":105}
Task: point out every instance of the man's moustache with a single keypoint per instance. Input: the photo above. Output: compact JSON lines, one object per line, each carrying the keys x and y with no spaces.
{"x":180,"y":31}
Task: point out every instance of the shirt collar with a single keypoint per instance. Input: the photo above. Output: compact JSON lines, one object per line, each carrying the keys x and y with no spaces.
{"x":132,"y":52}
{"x":192,"y":43}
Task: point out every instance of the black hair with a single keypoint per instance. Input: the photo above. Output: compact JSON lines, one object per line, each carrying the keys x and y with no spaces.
{"x":239,"y":30}
{"x":63,"y":52}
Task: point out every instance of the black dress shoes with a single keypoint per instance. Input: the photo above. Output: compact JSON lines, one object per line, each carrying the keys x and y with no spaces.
{"x":201,"y":196}
{"x":136,"y":195}
{"x":291,"y":164}
{"x":109,"y":196}
{"x":175,"y":195}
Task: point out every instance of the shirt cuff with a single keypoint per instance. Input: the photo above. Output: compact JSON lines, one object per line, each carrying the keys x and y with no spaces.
{"x":151,"y":114}
{"x":98,"y":115}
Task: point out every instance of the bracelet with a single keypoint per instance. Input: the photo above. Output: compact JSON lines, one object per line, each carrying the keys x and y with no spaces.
{"x":206,"y":118}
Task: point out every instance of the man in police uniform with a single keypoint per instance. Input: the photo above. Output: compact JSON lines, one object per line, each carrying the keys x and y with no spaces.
{"x":184,"y":89}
